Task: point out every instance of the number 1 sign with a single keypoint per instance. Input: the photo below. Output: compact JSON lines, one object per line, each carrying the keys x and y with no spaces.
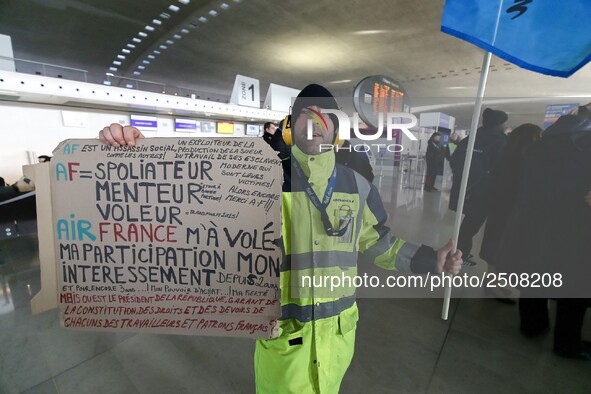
{"x":246,"y":92}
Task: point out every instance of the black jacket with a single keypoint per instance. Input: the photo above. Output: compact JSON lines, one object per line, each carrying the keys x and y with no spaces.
{"x":487,"y":151}
{"x":549,"y":229}
{"x":276,"y":142}
{"x":358,"y":161}
{"x":435,"y":157}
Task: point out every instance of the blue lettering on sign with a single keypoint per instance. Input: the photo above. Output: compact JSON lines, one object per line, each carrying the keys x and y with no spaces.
{"x":186,"y":126}
{"x":144,"y":123}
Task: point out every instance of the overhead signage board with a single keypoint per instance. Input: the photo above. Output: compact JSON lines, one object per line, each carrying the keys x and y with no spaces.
{"x":172,"y":236}
{"x":246,"y":92}
{"x":378,"y":95}
{"x":187,"y":125}
{"x":252,"y":129}
{"x":144,"y":123}
{"x":225,"y":127}
{"x":207,"y":127}
{"x":239,"y":129}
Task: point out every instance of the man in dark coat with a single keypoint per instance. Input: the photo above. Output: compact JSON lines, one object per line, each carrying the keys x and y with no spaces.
{"x":274,"y":137}
{"x":435,"y":158}
{"x":549,"y":232}
{"x":489,"y":143}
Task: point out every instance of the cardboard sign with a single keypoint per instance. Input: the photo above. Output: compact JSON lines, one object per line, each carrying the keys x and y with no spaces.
{"x":172,"y":236}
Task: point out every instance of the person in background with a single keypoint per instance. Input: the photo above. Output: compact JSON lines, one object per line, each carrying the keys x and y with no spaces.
{"x":273,"y":136}
{"x":504,"y":183}
{"x":435,"y":157}
{"x":549,"y":232}
{"x":357,"y":161}
{"x":490,"y":140}
{"x":452,"y":144}
{"x":317,"y":329}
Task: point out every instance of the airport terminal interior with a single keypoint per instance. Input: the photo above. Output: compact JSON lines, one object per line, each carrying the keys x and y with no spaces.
{"x":202,"y":69}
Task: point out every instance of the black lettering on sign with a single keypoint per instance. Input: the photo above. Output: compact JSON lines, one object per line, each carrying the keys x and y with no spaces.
{"x":520,"y":7}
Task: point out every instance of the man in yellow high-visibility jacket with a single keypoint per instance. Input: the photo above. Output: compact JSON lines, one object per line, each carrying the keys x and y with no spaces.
{"x":330,"y":214}
{"x":322,"y":237}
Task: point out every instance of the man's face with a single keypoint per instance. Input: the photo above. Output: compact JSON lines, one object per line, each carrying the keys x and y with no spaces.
{"x":271,"y":129}
{"x":437,"y":138}
{"x":322,"y":130}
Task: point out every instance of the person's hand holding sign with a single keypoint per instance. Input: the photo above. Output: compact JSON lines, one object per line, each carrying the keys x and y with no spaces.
{"x":117,"y":135}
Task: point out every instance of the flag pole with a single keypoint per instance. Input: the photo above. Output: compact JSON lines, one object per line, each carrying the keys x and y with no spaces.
{"x":466,"y":172}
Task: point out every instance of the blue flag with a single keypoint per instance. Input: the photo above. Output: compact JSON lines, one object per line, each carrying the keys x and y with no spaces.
{"x":547,"y":36}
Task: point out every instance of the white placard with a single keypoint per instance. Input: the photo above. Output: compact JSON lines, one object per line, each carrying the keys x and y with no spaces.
{"x":246,"y":92}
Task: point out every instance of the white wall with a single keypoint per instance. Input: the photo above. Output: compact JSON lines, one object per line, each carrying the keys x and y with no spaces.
{"x":36,"y":129}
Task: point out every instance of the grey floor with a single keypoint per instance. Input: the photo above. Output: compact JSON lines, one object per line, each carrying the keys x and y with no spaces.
{"x":402,"y":344}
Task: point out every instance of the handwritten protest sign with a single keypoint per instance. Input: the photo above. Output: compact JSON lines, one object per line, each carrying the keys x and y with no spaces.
{"x":174,"y":235}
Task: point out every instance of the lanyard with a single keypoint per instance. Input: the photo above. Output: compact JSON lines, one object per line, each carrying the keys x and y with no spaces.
{"x":321,"y":206}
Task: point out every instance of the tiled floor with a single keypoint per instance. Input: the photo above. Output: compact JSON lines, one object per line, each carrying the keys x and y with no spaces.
{"x":402,"y":344}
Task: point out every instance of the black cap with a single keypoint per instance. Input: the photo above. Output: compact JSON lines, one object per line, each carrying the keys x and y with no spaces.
{"x":313,"y":95}
{"x":493,"y":118}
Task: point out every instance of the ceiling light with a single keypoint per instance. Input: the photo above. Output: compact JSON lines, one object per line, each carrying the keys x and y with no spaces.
{"x":125,"y":50}
{"x":117,"y":63}
{"x":184,"y":31}
{"x":151,"y":57}
{"x":237,"y":1}
{"x":368,"y":32}
{"x":129,"y":86}
{"x":341,"y":81}
{"x":135,"y":39}
{"x":156,"y":22}
{"x":137,"y":73}
{"x":140,"y":67}
{"x":114,"y":69}
{"x":169,"y":42}
{"x":165,"y":15}
{"x":193,"y":25}
{"x":106,"y":82}
{"x":163,"y":47}
{"x":157,"y":52}
{"x":142,"y":34}
{"x":164,"y":91}
{"x":177,"y":37}
{"x":110,"y":74}
{"x":184,"y":1}
{"x":203,"y":19}
{"x":174,"y":8}
{"x":120,"y":57}
{"x":146,"y":61}
{"x":130,"y":46}
{"x":213,"y":13}
{"x":149,"y":28}
{"x":224,"y":6}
